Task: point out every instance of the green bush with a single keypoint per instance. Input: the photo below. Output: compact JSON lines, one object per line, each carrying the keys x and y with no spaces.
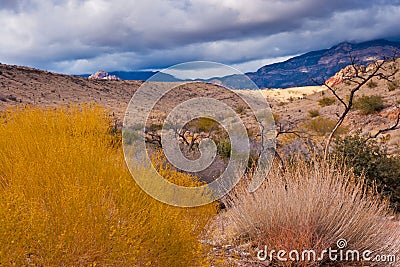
{"x":203,"y":125}
{"x":280,"y":104}
{"x":323,"y":126}
{"x":224,"y":148}
{"x":369,"y":104}
{"x":326,"y":101}
{"x":12,"y":98}
{"x":153,"y":127}
{"x":392,"y":85}
{"x":370,"y":159}
{"x":241,"y":110}
{"x":313,"y":113}
{"x":372,"y":84}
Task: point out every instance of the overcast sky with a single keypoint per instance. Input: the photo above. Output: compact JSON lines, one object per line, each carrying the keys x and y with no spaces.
{"x":77,"y":36}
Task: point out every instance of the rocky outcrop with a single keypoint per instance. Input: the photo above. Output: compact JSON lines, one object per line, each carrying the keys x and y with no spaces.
{"x":102,"y":75}
{"x":345,"y":74}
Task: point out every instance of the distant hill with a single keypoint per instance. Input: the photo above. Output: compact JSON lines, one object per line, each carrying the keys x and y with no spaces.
{"x":321,"y":64}
{"x":138,"y":75}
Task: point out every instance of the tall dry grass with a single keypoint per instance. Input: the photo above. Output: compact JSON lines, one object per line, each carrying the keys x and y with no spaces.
{"x":67,"y":199}
{"x":311,"y":206}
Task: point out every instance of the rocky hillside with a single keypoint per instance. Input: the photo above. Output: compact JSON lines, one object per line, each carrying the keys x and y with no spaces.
{"x":27,"y":86}
{"x":322,"y":64}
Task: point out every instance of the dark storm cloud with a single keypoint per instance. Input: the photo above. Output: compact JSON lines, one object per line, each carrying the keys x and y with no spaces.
{"x":82,"y":36}
{"x":16,"y":5}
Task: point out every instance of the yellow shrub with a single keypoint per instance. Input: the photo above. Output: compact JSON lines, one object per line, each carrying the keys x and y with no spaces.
{"x":67,"y":199}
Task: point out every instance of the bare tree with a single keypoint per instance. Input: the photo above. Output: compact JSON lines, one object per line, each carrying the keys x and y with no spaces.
{"x":358,"y":78}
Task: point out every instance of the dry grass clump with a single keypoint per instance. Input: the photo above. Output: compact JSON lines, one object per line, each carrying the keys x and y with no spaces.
{"x":311,"y":206}
{"x":326,"y":101}
{"x":67,"y":198}
{"x":322,"y":126}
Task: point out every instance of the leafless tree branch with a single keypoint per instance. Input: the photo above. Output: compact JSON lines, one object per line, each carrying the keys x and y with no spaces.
{"x":391,"y":128}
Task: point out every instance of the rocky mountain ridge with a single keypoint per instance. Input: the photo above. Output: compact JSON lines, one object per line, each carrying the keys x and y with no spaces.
{"x":102,"y":75}
{"x":322,"y":64}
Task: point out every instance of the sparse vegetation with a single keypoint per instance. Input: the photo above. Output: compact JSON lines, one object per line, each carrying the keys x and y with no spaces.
{"x":326,"y":101}
{"x":154,"y":127}
{"x":12,"y":98}
{"x":313,"y":113}
{"x":369,"y":104}
{"x":276,"y":117}
{"x":241,"y":110}
{"x":372,"y":84}
{"x":322,"y":126}
{"x":392,"y":85}
{"x":224,"y":148}
{"x":203,"y":125}
{"x":280,"y":104}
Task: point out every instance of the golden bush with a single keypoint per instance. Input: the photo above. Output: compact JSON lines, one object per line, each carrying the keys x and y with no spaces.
{"x":67,"y":198}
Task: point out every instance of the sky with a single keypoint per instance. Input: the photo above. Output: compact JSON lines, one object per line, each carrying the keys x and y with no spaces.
{"x":82,"y":36}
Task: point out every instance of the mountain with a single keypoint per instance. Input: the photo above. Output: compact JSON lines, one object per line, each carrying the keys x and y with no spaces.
{"x":102,"y":75}
{"x":138,"y":75}
{"x":320,"y":65}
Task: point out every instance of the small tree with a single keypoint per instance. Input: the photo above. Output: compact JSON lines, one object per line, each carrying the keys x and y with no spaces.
{"x":358,"y":78}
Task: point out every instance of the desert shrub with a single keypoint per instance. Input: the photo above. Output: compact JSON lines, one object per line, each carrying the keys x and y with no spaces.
{"x":370,"y":159}
{"x":398,"y":101}
{"x":203,"y":125}
{"x":241,"y":110}
{"x":276,"y":117}
{"x":322,"y":126}
{"x":280,"y":104}
{"x":392,"y":85}
{"x":12,"y":98}
{"x":224,"y":148}
{"x":129,"y":136}
{"x":313,"y":113}
{"x":310,"y":206}
{"x":67,"y":199}
{"x":372,"y":84}
{"x":326,"y":101}
{"x":369,"y":104}
{"x":154,"y":127}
